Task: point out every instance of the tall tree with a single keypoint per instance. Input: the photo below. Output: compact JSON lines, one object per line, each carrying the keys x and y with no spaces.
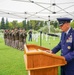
{"x":20,"y":25}
{"x":7,"y":24}
{"x":41,"y":24}
{"x":2,"y":23}
{"x":10,"y":25}
{"x":15,"y":24}
{"x":24,"y":24}
{"x":45,"y":22}
{"x":55,"y":24}
{"x":37,"y":25}
{"x":28,"y":25}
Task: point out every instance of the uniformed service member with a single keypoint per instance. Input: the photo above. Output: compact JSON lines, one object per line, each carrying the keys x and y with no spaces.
{"x":24,"y":36}
{"x":5,"y":36}
{"x":66,"y":45}
{"x":20,"y":39}
{"x":13,"y":38}
{"x":16,"y":38}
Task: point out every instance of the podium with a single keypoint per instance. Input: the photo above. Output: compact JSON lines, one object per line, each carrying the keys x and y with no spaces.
{"x":40,"y":62}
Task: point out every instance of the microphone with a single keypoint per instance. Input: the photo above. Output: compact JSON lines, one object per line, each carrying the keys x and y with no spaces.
{"x":53,"y":35}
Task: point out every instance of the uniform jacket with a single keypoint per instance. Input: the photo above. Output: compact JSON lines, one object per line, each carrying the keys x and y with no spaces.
{"x":66,"y":45}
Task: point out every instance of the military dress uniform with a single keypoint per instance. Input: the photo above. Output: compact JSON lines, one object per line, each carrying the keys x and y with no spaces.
{"x":10,"y":37}
{"x":5,"y":37}
{"x":13,"y":38}
{"x":17,"y":39}
{"x":66,"y":45}
{"x":24,"y":35}
{"x":20,"y":40}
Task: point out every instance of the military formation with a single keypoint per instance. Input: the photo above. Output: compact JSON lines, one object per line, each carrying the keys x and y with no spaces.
{"x":15,"y":38}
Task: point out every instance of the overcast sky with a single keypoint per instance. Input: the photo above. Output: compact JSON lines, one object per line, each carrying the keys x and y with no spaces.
{"x":17,"y":9}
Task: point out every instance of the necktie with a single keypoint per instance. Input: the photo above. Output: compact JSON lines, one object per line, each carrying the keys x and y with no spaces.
{"x":64,"y":35}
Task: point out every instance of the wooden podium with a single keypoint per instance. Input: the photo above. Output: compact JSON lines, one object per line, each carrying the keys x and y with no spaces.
{"x":40,"y":62}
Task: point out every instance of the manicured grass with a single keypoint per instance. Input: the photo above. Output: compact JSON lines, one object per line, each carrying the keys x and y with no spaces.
{"x":12,"y":60}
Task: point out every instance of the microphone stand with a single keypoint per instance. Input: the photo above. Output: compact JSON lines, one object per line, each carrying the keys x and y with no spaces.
{"x":40,"y":38}
{"x":47,"y":34}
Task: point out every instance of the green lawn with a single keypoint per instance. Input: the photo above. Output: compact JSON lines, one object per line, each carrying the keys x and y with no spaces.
{"x":12,"y":60}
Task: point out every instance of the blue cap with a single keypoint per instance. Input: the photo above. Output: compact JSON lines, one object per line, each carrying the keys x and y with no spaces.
{"x":63,"y":20}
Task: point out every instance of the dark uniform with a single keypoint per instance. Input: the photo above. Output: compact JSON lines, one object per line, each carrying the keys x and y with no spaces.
{"x":16,"y":39}
{"x":10,"y":34}
{"x":10,"y":37}
{"x":20,"y":40}
{"x":13,"y":38}
{"x":5,"y":37}
{"x":30,"y":35}
{"x":24,"y":35}
{"x":66,"y":45}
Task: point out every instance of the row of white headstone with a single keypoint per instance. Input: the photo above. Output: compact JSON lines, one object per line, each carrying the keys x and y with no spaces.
{"x":43,"y":36}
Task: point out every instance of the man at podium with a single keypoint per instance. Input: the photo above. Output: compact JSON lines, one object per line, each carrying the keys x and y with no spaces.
{"x":66,"y":45}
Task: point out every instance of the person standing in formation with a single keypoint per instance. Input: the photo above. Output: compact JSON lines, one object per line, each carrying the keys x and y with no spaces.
{"x":15,"y":38}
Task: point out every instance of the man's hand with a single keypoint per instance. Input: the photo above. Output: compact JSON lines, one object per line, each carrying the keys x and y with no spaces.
{"x":49,"y":51}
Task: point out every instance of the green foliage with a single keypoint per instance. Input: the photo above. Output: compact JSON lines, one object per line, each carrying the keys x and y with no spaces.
{"x":20,"y":25}
{"x":52,"y":29}
{"x":72,"y":24}
{"x":36,"y":24}
{"x":2,"y":23}
{"x":7,"y":24}
{"x":32,"y":24}
{"x":24,"y":24}
{"x":44,"y":29}
{"x":15,"y":23}
{"x":45,"y":23}
{"x":28,"y":25}
{"x":41,"y":23}
{"x":10,"y":25}
{"x":54,"y":23}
